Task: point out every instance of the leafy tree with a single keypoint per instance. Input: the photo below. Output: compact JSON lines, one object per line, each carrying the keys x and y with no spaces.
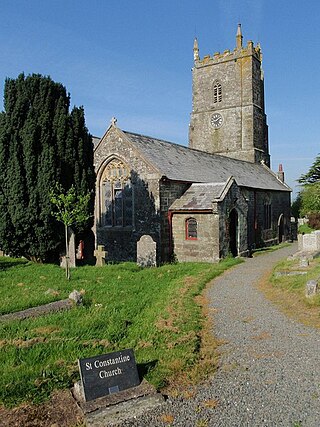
{"x":41,"y":142}
{"x":313,"y":175}
{"x":71,"y":209}
{"x":310,"y":199}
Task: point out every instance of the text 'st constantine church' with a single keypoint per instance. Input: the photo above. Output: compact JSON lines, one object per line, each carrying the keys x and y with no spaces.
{"x":202,"y":202}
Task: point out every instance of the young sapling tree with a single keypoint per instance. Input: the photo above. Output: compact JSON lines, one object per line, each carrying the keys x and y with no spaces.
{"x":71,"y":209}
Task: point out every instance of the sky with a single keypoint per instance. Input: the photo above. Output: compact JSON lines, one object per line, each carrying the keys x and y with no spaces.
{"x":132,"y":60}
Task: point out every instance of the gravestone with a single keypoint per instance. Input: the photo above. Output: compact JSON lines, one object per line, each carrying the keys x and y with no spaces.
{"x":311,"y":242}
{"x":311,"y":288}
{"x":72,"y":248}
{"x":108,"y":374}
{"x":317,"y":233}
{"x":1,"y":253}
{"x":146,"y":251}
{"x":72,"y":251}
{"x":304,"y":262}
{"x":100,"y":255}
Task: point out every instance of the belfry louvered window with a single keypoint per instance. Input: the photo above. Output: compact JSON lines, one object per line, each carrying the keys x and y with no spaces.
{"x":217,"y":92}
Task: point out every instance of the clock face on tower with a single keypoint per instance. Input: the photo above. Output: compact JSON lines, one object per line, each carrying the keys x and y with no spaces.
{"x":216,"y":120}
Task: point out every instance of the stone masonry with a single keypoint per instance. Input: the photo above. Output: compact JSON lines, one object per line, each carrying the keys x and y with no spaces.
{"x":243,"y":134}
{"x":140,"y":179}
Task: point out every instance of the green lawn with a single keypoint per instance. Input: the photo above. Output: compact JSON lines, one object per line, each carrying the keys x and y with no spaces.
{"x":152,"y":311}
{"x":295,"y":284}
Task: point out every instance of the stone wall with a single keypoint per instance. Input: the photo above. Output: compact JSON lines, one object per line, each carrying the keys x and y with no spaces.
{"x":234,"y":199}
{"x":121,"y":242}
{"x":258,"y":236}
{"x":206,"y":247}
{"x":169,"y":192}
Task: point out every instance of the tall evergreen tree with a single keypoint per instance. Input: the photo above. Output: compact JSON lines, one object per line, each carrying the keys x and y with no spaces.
{"x":41,"y":143}
{"x":313,"y":175}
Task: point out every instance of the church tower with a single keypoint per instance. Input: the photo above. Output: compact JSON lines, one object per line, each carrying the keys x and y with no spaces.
{"x":228,"y":115}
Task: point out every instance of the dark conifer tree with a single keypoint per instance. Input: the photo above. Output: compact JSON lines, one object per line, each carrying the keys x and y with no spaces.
{"x":41,"y":143}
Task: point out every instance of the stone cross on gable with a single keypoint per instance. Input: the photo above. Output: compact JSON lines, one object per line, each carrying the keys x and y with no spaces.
{"x":100,"y":255}
{"x":113,"y":121}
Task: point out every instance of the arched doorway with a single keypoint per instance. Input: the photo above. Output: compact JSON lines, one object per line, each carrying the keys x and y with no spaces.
{"x":233,"y":232}
{"x":280,"y":229}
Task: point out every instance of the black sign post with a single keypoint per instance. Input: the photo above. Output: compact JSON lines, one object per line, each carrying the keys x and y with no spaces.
{"x":108,"y":373}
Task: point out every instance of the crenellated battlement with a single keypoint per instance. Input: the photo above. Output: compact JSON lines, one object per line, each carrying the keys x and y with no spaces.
{"x":239,"y":52}
{"x":228,"y":113}
{"x":227,"y":55}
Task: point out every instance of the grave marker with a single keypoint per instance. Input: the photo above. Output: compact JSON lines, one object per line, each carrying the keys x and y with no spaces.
{"x":71,"y":249}
{"x":100,"y":255}
{"x":311,"y":288}
{"x":146,"y":251}
{"x":108,"y":374}
{"x":304,"y":262}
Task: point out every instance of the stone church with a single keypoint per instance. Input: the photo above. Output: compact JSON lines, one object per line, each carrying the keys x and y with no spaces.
{"x":199,"y":203}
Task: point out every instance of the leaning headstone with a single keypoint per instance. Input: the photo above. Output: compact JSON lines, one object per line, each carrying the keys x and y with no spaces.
{"x":311,"y":288}
{"x":146,"y":251}
{"x":100,"y":255}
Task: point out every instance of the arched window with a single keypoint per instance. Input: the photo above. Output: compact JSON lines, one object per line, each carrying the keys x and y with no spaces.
{"x":116,"y":195}
{"x":217,"y":92}
{"x":267,"y":223}
{"x":191,"y":229}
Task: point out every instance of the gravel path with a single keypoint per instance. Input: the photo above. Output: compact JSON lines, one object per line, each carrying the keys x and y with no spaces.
{"x":269,"y":371}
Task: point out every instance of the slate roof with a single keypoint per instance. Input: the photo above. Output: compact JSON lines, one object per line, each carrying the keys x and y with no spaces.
{"x":180,"y":163}
{"x":199,"y":196}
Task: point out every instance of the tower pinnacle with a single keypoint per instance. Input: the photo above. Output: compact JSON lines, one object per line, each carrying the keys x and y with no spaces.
{"x":195,"y":50}
{"x":239,"y":37}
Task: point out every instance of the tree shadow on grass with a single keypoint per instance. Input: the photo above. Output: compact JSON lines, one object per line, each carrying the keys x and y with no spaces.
{"x":6,"y":263}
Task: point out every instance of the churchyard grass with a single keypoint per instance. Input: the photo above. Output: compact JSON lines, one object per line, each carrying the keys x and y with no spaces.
{"x":25,"y":284}
{"x":286,"y":288}
{"x":154,"y":311}
{"x":295,"y":283}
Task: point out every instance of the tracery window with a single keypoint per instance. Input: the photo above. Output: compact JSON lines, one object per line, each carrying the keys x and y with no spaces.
{"x":116,"y":195}
{"x":217,"y":92}
{"x":191,"y":229}
{"x":267,"y":216}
